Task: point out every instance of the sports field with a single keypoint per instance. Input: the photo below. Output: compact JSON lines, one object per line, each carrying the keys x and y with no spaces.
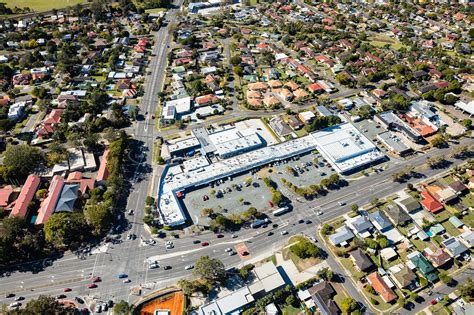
{"x":173,"y":302}
{"x":42,"y":5}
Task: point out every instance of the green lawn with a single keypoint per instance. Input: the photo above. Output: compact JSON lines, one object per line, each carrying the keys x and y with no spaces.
{"x":154,"y":11}
{"x":419,"y":244}
{"x":42,"y":5}
{"x":290,"y":310}
{"x":348,"y":264}
{"x":468,"y":200}
{"x":450,"y":228}
{"x":443,"y":215}
{"x":380,"y":40}
{"x":469,"y":219}
{"x":253,"y":2}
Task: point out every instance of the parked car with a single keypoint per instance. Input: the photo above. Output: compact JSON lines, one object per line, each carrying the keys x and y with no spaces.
{"x":10,"y":295}
{"x":92,"y":285}
{"x":205,"y":244}
{"x":196,"y":241}
{"x":189,"y":267}
{"x":284,"y":232}
{"x":122,"y":275}
{"x":127,"y":281}
{"x":167,"y":267}
{"x":97,"y":279}
{"x":79,"y":300}
{"x":60,"y":296}
{"x":19,"y":298}
{"x":228,"y":249}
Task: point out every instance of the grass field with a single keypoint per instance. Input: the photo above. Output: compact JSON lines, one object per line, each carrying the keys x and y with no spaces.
{"x":42,"y":5}
{"x":380,"y":40}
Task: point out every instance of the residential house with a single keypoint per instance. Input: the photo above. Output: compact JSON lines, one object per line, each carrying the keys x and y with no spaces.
{"x":67,"y":199}
{"x":103,"y":172}
{"x":6,"y":196}
{"x":467,"y":237}
{"x":404,"y":277}
{"x":323,"y":296}
{"x":418,"y":261}
{"x":438,"y":257}
{"x":458,"y":188}
{"x":442,"y":194}
{"x":360,"y":225}
{"x":397,"y":215}
{"x":47,"y":126}
{"x":280,"y":127}
{"x":27,"y":193}
{"x":48,"y":205}
{"x":380,"y":221}
{"x":360,"y":259}
{"x":379,"y":285}
{"x":456,"y":222}
{"x":341,"y":237}
{"x":388,"y":253}
{"x":306,"y":117}
{"x":408,"y":203}
{"x":295,"y":123}
{"x":430,"y":203}
{"x":454,"y":247}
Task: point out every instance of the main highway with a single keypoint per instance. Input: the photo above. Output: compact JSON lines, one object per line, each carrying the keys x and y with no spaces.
{"x":108,"y":260}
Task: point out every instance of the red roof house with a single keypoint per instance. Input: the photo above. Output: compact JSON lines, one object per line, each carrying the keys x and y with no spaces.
{"x":430,"y":203}
{"x":381,"y":287}
{"x":26,"y":195}
{"x":103,"y":172}
{"x":49,"y":203}
{"x":5,"y":195}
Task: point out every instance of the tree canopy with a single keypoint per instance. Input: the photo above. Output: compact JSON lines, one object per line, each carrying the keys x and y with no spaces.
{"x":64,"y":229}
{"x":210,"y":269}
{"x":21,"y":160}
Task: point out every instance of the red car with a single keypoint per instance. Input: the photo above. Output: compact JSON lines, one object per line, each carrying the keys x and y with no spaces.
{"x":204,"y":243}
{"x":92,"y":285}
{"x":96,"y":279}
{"x":67,"y":290}
{"x":433,"y":302}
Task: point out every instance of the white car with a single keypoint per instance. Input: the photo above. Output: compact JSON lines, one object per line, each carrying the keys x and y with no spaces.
{"x":228,"y":249}
{"x":130,"y":212}
{"x":320,"y":212}
{"x":341,"y":203}
{"x":234,"y":236}
{"x":14,"y":305}
{"x":127,"y":281}
{"x":188,"y":267}
{"x":284,"y":232}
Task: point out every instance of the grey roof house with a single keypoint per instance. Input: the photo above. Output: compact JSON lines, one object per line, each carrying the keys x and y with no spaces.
{"x":360,"y":225}
{"x":380,"y":221}
{"x":397,"y":215}
{"x":68,"y":198}
{"x":361,"y":260}
{"x":322,"y":294}
{"x":341,"y":237}
{"x":409,"y":204}
{"x":454,"y":247}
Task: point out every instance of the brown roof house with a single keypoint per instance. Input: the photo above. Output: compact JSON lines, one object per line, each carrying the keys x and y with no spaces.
{"x":322,"y":294}
{"x":404,"y":277}
{"x":360,"y":259}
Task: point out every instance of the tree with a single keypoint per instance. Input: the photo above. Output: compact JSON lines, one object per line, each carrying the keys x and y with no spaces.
{"x":467,"y":290}
{"x":238,"y":70}
{"x":21,"y":160}
{"x":235,"y":60}
{"x":326,"y":274}
{"x":327,"y":229}
{"x":210,"y":269}
{"x":435,"y":161}
{"x":305,"y":249}
{"x":64,"y":229}
{"x":445,"y":278}
{"x":438,"y":142}
{"x":355,"y":207}
{"x":290,"y":300}
{"x":123,"y":308}
{"x":382,"y":241}
{"x":460,"y":151}
{"x":277,"y":197}
{"x":45,"y":305}
{"x":245,"y":271}
{"x":99,"y":216}
{"x":370,"y":289}
{"x":372,"y":244}
{"x":207,"y":212}
{"x":187,"y":286}
{"x":467,"y":123}
{"x":349,"y":305}
{"x":402,"y":301}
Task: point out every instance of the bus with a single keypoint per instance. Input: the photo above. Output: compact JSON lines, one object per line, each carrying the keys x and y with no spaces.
{"x":281,"y":211}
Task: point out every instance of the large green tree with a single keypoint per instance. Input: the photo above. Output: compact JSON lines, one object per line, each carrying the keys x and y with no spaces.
{"x":65,"y":230}
{"x":210,"y":269}
{"x":21,"y":160}
{"x":44,"y":305}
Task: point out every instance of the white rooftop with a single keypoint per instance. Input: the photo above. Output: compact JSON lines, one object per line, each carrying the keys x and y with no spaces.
{"x":345,"y":147}
{"x":182,"y":105}
{"x":182,"y":144}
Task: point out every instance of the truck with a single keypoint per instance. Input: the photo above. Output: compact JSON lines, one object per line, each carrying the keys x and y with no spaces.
{"x":258,"y":223}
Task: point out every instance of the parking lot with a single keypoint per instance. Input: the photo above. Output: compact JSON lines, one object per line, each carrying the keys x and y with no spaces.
{"x":237,"y":194}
